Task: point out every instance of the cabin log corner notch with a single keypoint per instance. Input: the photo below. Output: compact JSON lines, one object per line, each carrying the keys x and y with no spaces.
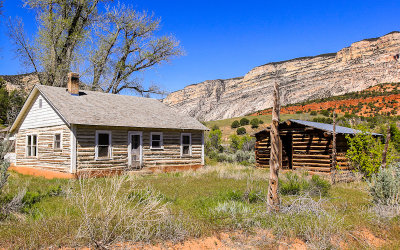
{"x":73,"y":132}
{"x":307,"y":146}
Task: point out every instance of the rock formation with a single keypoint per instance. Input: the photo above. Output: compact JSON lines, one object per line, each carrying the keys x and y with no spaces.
{"x":360,"y":66}
{"x":22,"y":82}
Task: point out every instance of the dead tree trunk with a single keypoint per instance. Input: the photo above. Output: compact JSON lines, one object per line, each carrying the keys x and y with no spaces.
{"x":273,"y":197}
{"x":334,"y":162}
{"x":384,"y":154}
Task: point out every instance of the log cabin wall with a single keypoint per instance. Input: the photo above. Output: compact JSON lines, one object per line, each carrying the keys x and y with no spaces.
{"x":262,"y":149}
{"x":47,"y":157}
{"x":310,"y":149}
{"x":169,"y":156}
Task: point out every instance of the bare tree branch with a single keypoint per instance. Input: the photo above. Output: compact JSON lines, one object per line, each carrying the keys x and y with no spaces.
{"x":113,"y":45}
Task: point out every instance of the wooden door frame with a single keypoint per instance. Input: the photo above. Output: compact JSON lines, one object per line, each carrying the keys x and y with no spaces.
{"x":130,"y":133}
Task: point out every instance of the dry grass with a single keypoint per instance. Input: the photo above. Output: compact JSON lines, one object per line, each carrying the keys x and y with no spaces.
{"x":176,"y":206}
{"x":117,"y":211}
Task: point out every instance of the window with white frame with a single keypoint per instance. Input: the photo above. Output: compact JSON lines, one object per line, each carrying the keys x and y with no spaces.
{"x":156,"y":140}
{"x":103,"y":144}
{"x":186,"y":144}
{"x":31,"y":145}
{"x":57,"y":141}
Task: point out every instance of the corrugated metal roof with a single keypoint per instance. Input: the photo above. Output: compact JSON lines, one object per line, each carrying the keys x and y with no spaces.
{"x":329,"y":127}
{"x":323,"y":127}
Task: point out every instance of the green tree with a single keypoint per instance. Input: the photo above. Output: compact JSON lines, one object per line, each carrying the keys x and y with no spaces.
{"x":365,"y":152}
{"x":4,"y":102}
{"x":214,"y":140}
{"x":395,"y":136}
{"x":255,"y":123}
{"x":235,"y":142}
{"x":241,"y":131}
{"x":244,"y":121}
{"x":325,"y":112}
{"x":235,"y":124}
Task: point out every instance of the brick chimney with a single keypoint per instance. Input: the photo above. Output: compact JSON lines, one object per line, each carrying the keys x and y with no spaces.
{"x":73,"y":83}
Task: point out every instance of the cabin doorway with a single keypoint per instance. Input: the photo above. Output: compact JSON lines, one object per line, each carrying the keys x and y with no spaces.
{"x":287,"y":151}
{"x":135,"y":149}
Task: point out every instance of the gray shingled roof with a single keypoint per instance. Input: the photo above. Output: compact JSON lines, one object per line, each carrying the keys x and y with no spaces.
{"x":97,"y":108}
{"x":328,"y":127}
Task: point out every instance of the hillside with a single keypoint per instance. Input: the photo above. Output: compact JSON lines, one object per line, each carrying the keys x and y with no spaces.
{"x":382,"y":99}
{"x":225,"y":124}
{"x":360,"y":66}
{"x":23,"y":81}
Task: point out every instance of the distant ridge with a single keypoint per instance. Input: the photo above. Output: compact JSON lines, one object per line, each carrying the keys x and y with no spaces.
{"x":363,"y":64}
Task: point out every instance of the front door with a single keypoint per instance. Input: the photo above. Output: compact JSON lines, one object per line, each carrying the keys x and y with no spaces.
{"x":135,"y":149}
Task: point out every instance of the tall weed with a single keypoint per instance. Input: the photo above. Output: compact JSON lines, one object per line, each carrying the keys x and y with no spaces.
{"x":109,"y":214}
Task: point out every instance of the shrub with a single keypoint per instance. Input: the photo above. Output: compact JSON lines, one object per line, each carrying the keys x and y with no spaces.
{"x":109,"y":214}
{"x":245,"y":143}
{"x":395,"y":136}
{"x":255,"y":122}
{"x":260,"y":121}
{"x":214,"y":127}
{"x":241,"y":131}
{"x":213,"y":141}
{"x":4,"y":164}
{"x":226,"y":157}
{"x":235,"y":124}
{"x":325,"y":113}
{"x":235,"y":142}
{"x":244,"y":156}
{"x":248,"y":143}
{"x":313,"y":112}
{"x":295,"y":185}
{"x":319,"y":185}
{"x":292,"y":185}
{"x":244,"y":121}
{"x":323,"y":120}
{"x":365,"y":152}
{"x":385,"y":186}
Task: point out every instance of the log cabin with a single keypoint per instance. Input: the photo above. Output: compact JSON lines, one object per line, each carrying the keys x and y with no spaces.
{"x":307,"y":146}
{"x":66,"y":132}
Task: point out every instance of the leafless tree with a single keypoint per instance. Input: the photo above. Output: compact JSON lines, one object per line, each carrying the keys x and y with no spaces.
{"x":127,"y":45}
{"x":108,"y":47}
{"x":23,"y":46}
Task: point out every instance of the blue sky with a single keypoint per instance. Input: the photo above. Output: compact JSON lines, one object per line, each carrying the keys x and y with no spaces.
{"x":225,"y":39}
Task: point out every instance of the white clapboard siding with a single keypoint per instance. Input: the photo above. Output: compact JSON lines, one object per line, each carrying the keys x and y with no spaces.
{"x":41,"y":117}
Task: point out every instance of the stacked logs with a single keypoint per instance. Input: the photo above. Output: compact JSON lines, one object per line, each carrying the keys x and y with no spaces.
{"x":311,"y":150}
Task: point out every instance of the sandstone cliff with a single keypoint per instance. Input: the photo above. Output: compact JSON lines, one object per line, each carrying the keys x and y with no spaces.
{"x":362,"y":65}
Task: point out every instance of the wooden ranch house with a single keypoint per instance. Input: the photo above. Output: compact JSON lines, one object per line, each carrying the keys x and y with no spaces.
{"x":307,"y":146}
{"x":66,"y":132}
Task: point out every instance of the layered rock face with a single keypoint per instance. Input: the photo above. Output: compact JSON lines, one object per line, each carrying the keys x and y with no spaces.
{"x":360,"y":66}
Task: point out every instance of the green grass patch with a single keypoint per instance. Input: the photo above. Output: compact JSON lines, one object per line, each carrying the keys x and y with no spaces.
{"x":220,"y":197}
